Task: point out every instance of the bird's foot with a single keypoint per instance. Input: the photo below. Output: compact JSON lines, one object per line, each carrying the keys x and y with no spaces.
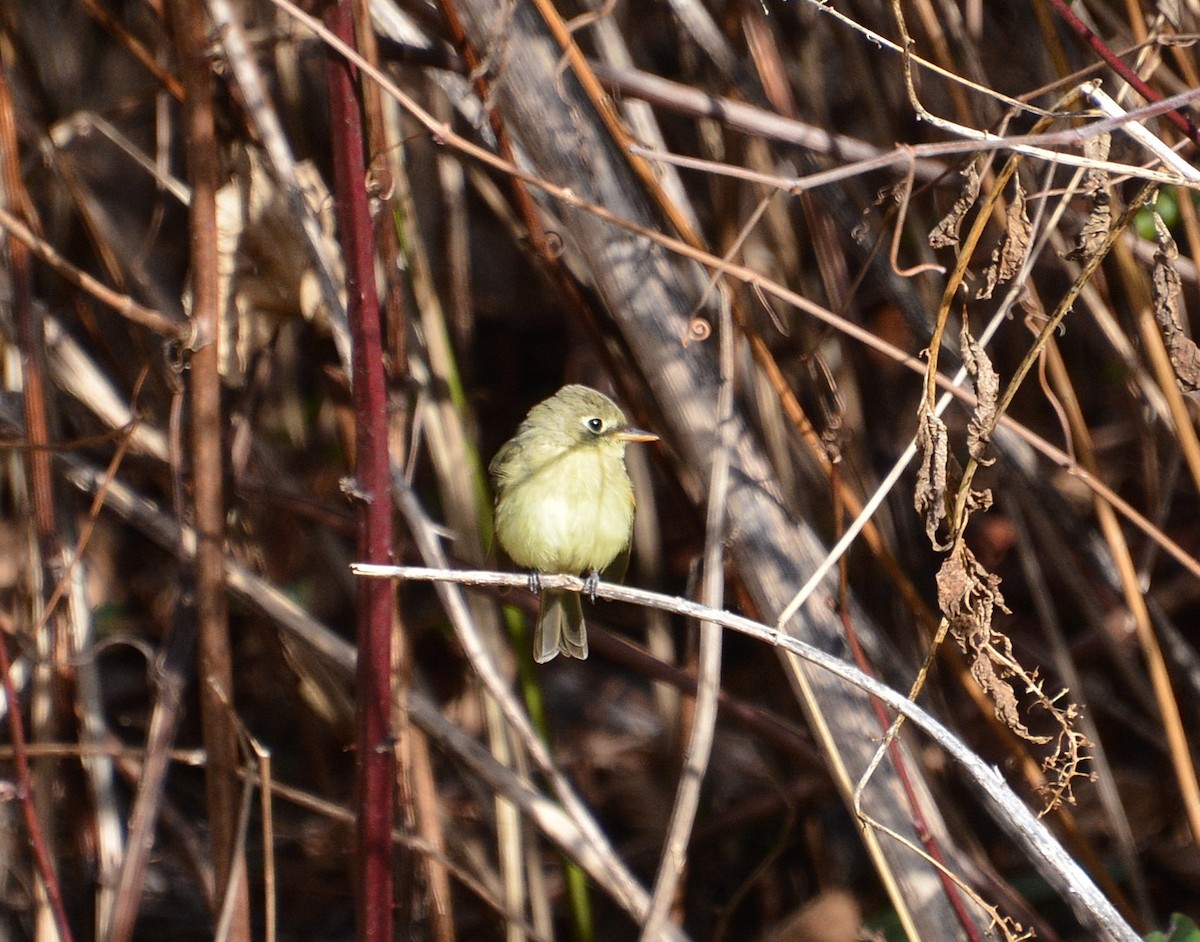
{"x":535,"y":582}
{"x":591,"y":584}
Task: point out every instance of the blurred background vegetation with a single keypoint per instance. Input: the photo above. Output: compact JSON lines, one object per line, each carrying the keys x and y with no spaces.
{"x":490,"y":301}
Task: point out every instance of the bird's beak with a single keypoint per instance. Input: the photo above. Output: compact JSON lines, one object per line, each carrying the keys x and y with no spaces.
{"x":634,"y":435}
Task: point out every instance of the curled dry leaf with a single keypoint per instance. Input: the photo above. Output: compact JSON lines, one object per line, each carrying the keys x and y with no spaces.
{"x":987,"y":390}
{"x":930,"y":495}
{"x":1165,"y":285}
{"x":1096,"y":148}
{"x":1011,"y":252}
{"x":1095,"y":184}
{"x":985,"y":669}
{"x":1095,"y":229}
{"x":894,"y":193}
{"x":968,"y":595}
{"x":945,"y":233}
{"x":979,"y":500}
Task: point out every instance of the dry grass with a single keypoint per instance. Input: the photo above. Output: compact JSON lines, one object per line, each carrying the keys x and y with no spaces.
{"x":779,"y":234}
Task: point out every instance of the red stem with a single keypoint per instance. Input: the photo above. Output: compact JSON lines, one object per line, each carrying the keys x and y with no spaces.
{"x":374,"y":757}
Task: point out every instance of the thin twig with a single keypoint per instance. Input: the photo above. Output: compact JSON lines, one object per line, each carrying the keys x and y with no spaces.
{"x":206,"y":422}
{"x":124,"y":305}
{"x":24,"y":783}
{"x":686,"y":100}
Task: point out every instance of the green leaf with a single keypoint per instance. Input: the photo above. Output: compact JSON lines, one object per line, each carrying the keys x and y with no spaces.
{"x":1183,"y":929}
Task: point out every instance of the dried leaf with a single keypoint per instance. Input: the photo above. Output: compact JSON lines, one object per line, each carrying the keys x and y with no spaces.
{"x":968,"y":596}
{"x":1095,"y":180}
{"x":1184,"y":354}
{"x":884,"y":196}
{"x":1095,"y":184}
{"x":1095,"y":229}
{"x":1018,"y":237}
{"x":967,"y":593}
{"x":987,"y":389}
{"x":1011,"y":252}
{"x":929,"y":497}
{"x":979,"y":500}
{"x":1004,"y":701}
{"x":945,"y":233}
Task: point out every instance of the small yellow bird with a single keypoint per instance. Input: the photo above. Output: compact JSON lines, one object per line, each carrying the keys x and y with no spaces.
{"x":564,"y":503}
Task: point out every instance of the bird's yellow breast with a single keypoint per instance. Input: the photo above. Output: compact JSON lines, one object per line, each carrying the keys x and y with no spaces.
{"x":573,"y":514}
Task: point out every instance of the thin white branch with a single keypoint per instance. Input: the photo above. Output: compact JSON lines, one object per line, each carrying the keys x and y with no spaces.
{"x":1104,"y":102}
{"x":1004,"y":803}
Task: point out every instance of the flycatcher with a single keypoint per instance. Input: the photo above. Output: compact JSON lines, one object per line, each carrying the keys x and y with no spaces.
{"x":564,"y":503}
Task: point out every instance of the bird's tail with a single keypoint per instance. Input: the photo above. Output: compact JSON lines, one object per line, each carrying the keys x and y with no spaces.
{"x":560,"y":627}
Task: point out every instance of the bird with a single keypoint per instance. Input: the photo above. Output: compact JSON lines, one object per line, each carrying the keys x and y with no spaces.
{"x":564,"y":504}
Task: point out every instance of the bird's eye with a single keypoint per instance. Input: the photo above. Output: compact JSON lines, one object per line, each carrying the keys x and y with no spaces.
{"x":595,"y":424}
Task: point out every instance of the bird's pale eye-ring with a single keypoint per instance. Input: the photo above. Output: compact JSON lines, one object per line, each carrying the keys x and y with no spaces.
{"x":594,"y":424}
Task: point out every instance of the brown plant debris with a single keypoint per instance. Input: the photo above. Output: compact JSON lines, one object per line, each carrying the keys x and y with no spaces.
{"x":929,"y":497}
{"x":1065,"y":764}
{"x":1010,"y":253}
{"x":1096,"y":148}
{"x":945,"y":233}
{"x":1165,"y":286}
{"x":987,"y":389}
{"x":266,"y":276}
{"x":1095,"y":184}
{"x":969,"y":595}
